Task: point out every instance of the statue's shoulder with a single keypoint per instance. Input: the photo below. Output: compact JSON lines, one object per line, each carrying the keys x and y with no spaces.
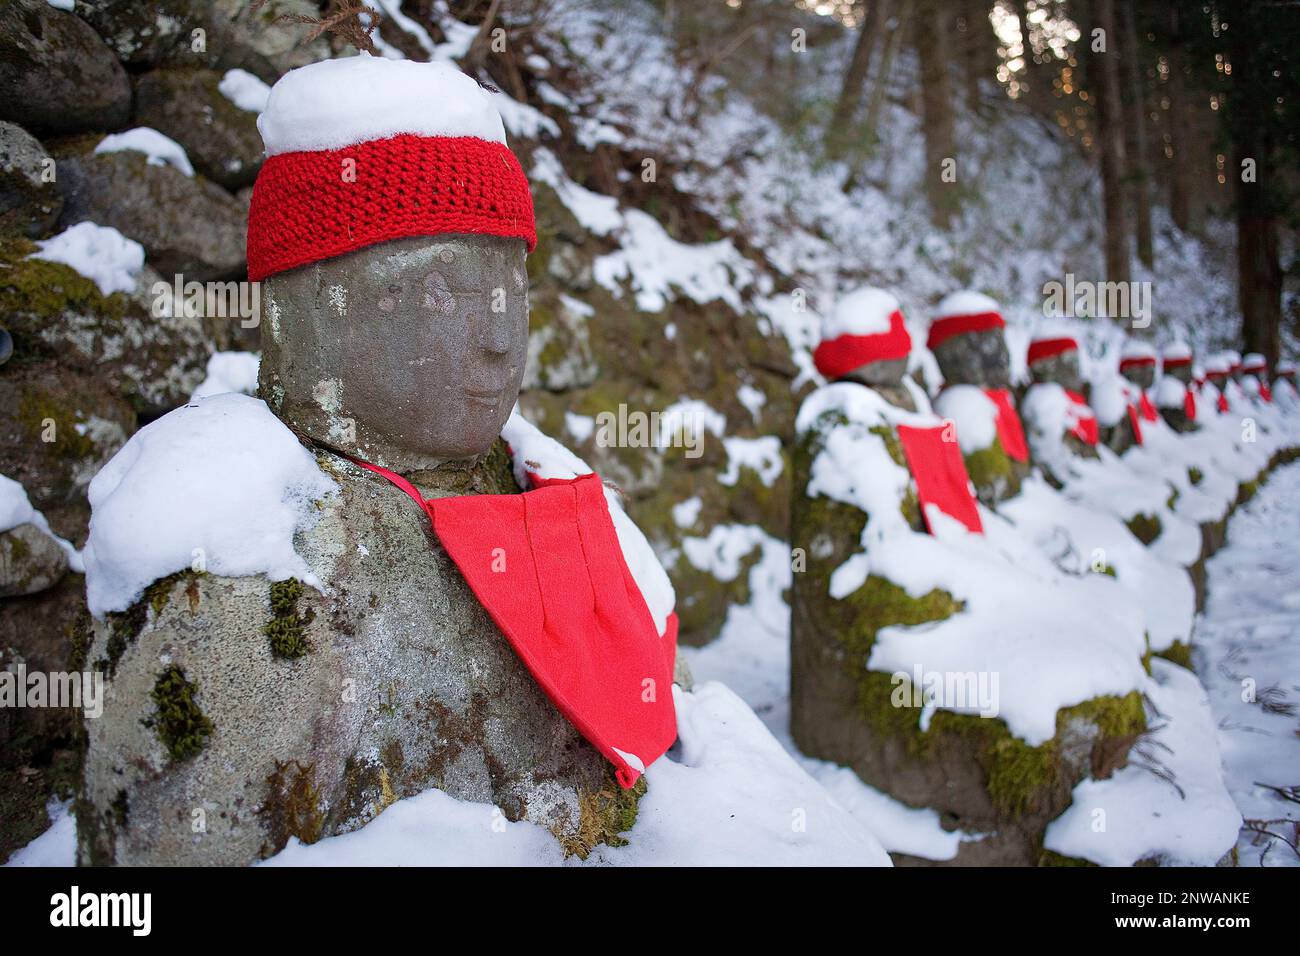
{"x":219,"y":484}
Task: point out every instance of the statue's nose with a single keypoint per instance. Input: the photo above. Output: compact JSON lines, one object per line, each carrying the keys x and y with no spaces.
{"x":496,"y":334}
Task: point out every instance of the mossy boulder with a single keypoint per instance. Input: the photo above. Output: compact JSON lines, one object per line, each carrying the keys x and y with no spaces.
{"x":261,"y":38}
{"x":220,"y":139}
{"x":30,"y":198}
{"x":58,"y":427}
{"x":30,"y":561}
{"x":40,"y":747}
{"x":188,"y":226}
{"x":56,"y":73}
{"x":395,"y":681}
{"x":58,"y":316}
{"x":995,"y":475}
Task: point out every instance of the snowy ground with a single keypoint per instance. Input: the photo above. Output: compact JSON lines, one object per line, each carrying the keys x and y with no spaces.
{"x":1248,"y":657}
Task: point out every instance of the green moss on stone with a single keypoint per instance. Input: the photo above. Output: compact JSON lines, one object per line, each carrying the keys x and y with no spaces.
{"x":1195,"y":475}
{"x":1179,"y":652}
{"x":179,"y":723}
{"x":1146,"y":528}
{"x":992,"y":473}
{"x":603,"y":815}
{"x":40,"y":409}
{"x":287,"y":628}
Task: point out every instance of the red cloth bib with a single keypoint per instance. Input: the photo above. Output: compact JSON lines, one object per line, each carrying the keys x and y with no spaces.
{"x":1223,"y":403}
{"x":1135,"y":420}
{"x":1085,"y":422}
{"x":940,"y":474}
{"x":548,"y":568}
{"x":1010,"y":432}
{"x":1265,"y":392}
{"x":1189,"y":405}
{"x":1148,"y":410}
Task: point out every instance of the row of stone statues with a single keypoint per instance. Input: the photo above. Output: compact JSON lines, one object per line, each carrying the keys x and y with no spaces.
{"x":884,"y":608}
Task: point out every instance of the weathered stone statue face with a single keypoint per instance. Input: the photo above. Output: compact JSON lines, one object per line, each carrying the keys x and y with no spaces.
{"x":875,"y":374}
{"x":406,"y":354}
{"x":1181,"y":372}
{"x":1143,"y":376}
{"x":1062,"y":369}
{"x":975,"y":358}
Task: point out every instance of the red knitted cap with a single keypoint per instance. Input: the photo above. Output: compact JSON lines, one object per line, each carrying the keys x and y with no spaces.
{"x":1041,"y":349}
{"x":838,"y":356}
{"x":305,"y":209}
{"x":941,"y":330}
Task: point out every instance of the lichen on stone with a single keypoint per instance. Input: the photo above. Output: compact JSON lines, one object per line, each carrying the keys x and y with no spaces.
{"x":292,"y":806}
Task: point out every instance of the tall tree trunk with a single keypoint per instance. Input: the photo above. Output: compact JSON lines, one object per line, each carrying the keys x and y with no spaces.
{"x":1038,"y":76}
{"x":978,"y":50}
{"x":932,"y":47}
{"x":1110,"y":135}
{"x":895,"y":26}
{"x":1259,"y":271}
{"x":1180,"y":167}
{"x":1135,"y":145}
{"x":855,"y":77}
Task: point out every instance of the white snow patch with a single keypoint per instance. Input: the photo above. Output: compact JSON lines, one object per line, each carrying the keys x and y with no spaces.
{"x":100,"y":253}
{"x":221,"y":479}
{"x":245,"y":90}
{"x":229,"y":372}
{"x":161,"y":150}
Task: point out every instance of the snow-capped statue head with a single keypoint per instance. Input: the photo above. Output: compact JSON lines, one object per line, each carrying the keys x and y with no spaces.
{"x":1054,"y":356}
{"x":864,"y":340}
{"x":966,"y":337}
{"x":1176,"y":361}
{"x":390,"y":223}
{"x":1137,"y":363}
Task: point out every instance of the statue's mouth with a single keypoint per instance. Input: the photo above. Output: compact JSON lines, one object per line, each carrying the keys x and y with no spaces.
{"x":488,"y":397}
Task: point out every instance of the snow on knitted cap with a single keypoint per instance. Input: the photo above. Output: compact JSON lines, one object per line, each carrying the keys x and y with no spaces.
{"x":1136,"y":355}
{"x":1052,"y":338}
{"x":362,"y":150}
{"x":962,"y":312}
{"x":1286,"y":369}
{"x":1254,"y":363}
{"x":865,"y":326}
{"x":1176,"y":355}
{"x":1218,"y":365}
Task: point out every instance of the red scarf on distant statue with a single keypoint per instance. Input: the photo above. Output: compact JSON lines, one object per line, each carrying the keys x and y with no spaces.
{"x":1010,"y":432}
{"x":548,"y":567}
{"x":940,"y":473}
{"x":1083,"y":425}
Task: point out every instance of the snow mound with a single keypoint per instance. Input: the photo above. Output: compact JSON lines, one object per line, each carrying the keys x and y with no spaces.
{"x":16,"y":509}
{"x":244,"y":90}
{"x":336,"y":103}
{"x":161,"y":150}
{"x":974,"y":414}
{"x":220,"y":481}
{"x":864,"y":311}
{"x":965,"y":302}
{"x":229,"y":372}
{"x":100,"y":253}
{"x":727,"y":795}
{"x":1170,"y":802}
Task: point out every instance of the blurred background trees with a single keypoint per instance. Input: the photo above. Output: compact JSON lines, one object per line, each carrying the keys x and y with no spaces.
{"x":1187,"y":110}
